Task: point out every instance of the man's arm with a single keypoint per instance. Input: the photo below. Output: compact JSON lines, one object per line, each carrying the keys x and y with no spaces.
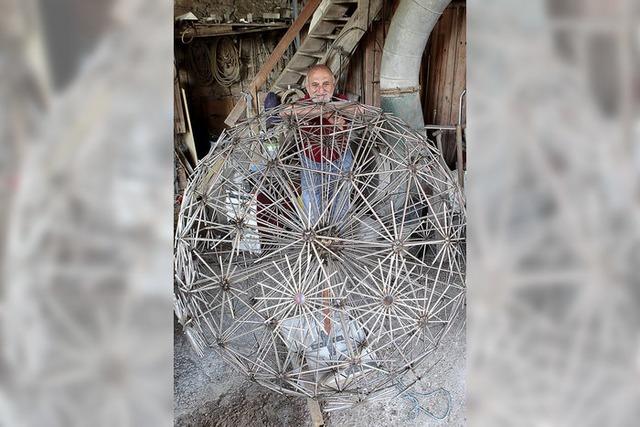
{"x":312,"y":110}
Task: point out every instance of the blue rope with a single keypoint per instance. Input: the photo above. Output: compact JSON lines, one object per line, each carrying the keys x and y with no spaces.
{"x":417,"y":408}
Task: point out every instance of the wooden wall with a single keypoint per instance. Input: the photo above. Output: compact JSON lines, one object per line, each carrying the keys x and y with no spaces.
{"x":363,"y":79}
{"x":444,"y":67}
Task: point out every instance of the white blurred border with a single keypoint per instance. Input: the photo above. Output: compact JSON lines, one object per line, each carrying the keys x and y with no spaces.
{"x":86,"y":309}
{"x":86,"y":194}
{"x":553,"y":213}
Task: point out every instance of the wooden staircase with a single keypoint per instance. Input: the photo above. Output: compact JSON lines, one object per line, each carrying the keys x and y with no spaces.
{"x":337,"y":32}
{"x":331,"y":40}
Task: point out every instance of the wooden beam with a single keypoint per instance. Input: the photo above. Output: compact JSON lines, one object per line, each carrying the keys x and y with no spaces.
{"x":450,"y":118}
{"x":273,"y":59}
{"x":459,"y":75}
{"x":317,"y":420}
{"x":189,"y":33}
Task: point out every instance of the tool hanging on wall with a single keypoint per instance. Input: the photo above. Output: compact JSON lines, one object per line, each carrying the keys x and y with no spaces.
{"x":216,"y":62}
{"x":225,"y":61}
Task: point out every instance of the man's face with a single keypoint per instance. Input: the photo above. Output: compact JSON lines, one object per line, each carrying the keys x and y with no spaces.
{"x":320,"y":85}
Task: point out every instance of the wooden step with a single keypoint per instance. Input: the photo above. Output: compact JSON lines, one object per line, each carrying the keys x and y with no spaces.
{"x":239,"y":110}
{"x":311,"y":54}
{"x":331,"y":31}
{"x":324,"y":36}
{"x":296,"y":71}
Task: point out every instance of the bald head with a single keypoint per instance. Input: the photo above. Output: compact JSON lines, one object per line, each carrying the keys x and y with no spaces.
{"x":320,"y":83}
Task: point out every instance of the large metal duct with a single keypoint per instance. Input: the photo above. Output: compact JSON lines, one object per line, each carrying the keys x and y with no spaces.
{"x":409,"y":31}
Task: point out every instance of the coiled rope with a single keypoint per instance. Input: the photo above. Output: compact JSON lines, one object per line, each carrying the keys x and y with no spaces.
{"x":225,"y":62}
{"x":219,"y":62}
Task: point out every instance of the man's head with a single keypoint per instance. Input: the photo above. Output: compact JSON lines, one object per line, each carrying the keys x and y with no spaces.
{"x":320,"y":83}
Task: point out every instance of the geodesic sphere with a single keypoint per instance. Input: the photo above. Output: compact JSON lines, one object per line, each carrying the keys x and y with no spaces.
{"x":320,"y":250}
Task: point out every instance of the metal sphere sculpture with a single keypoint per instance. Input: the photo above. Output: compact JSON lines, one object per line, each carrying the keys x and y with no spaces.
{"x":320,"y":250}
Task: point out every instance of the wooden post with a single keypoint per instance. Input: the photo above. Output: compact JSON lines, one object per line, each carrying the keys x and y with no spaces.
{"x":316,"y":413}
{"x":273,"y":59}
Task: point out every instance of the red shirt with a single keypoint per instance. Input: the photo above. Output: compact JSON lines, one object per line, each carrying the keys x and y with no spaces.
{"x":319,"y":140}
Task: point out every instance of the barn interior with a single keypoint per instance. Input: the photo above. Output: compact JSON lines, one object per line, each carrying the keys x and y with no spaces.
{"x":229,"y":55}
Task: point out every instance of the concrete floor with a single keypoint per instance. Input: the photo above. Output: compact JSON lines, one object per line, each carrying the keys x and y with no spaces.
{"x":207,"y":392}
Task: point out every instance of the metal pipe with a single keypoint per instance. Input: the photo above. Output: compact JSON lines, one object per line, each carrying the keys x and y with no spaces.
{"x":460,"y":106}
{"x":459,"y":157}
{"x":408,"y":33}
{"x":439,"y":127}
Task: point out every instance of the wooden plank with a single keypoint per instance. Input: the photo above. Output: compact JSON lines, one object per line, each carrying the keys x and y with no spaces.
{"x":438,"y":74}
{"x":459,"y":76}
{"x":447,"y":68}
{"x":447,"y":99}
{"x":368,"y":66}
{"x":441,"y":67}
{"x":273,"y":59}
{"x":189,"y":141}
{"x":451,"y":62}
{"x":178,"y":112}
{"x":444,"y":102}
{"x":349,"y":38}
{"x":216,"y":30}
{"x":379,"y":38}
{"x":353,"y":82}
{"x":315,"y":411}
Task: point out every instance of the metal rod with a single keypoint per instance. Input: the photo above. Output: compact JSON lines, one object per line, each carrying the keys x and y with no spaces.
{"x":459,"y":153}
{"x":439,"y":127}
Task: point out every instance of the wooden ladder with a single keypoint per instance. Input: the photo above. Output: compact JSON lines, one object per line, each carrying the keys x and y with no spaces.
{"x":332,"y":39}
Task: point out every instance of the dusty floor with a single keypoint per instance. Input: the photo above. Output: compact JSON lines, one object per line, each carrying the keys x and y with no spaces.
{"x":208,"y":392}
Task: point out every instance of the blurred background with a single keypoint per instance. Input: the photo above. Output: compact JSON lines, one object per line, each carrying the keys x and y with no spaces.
{"x":553,"y":202}
{"x":86,"y":205}
{"x":85,"y":218}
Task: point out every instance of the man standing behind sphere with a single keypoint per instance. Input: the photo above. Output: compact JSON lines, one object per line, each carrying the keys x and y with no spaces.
{"x":325,"y":154}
